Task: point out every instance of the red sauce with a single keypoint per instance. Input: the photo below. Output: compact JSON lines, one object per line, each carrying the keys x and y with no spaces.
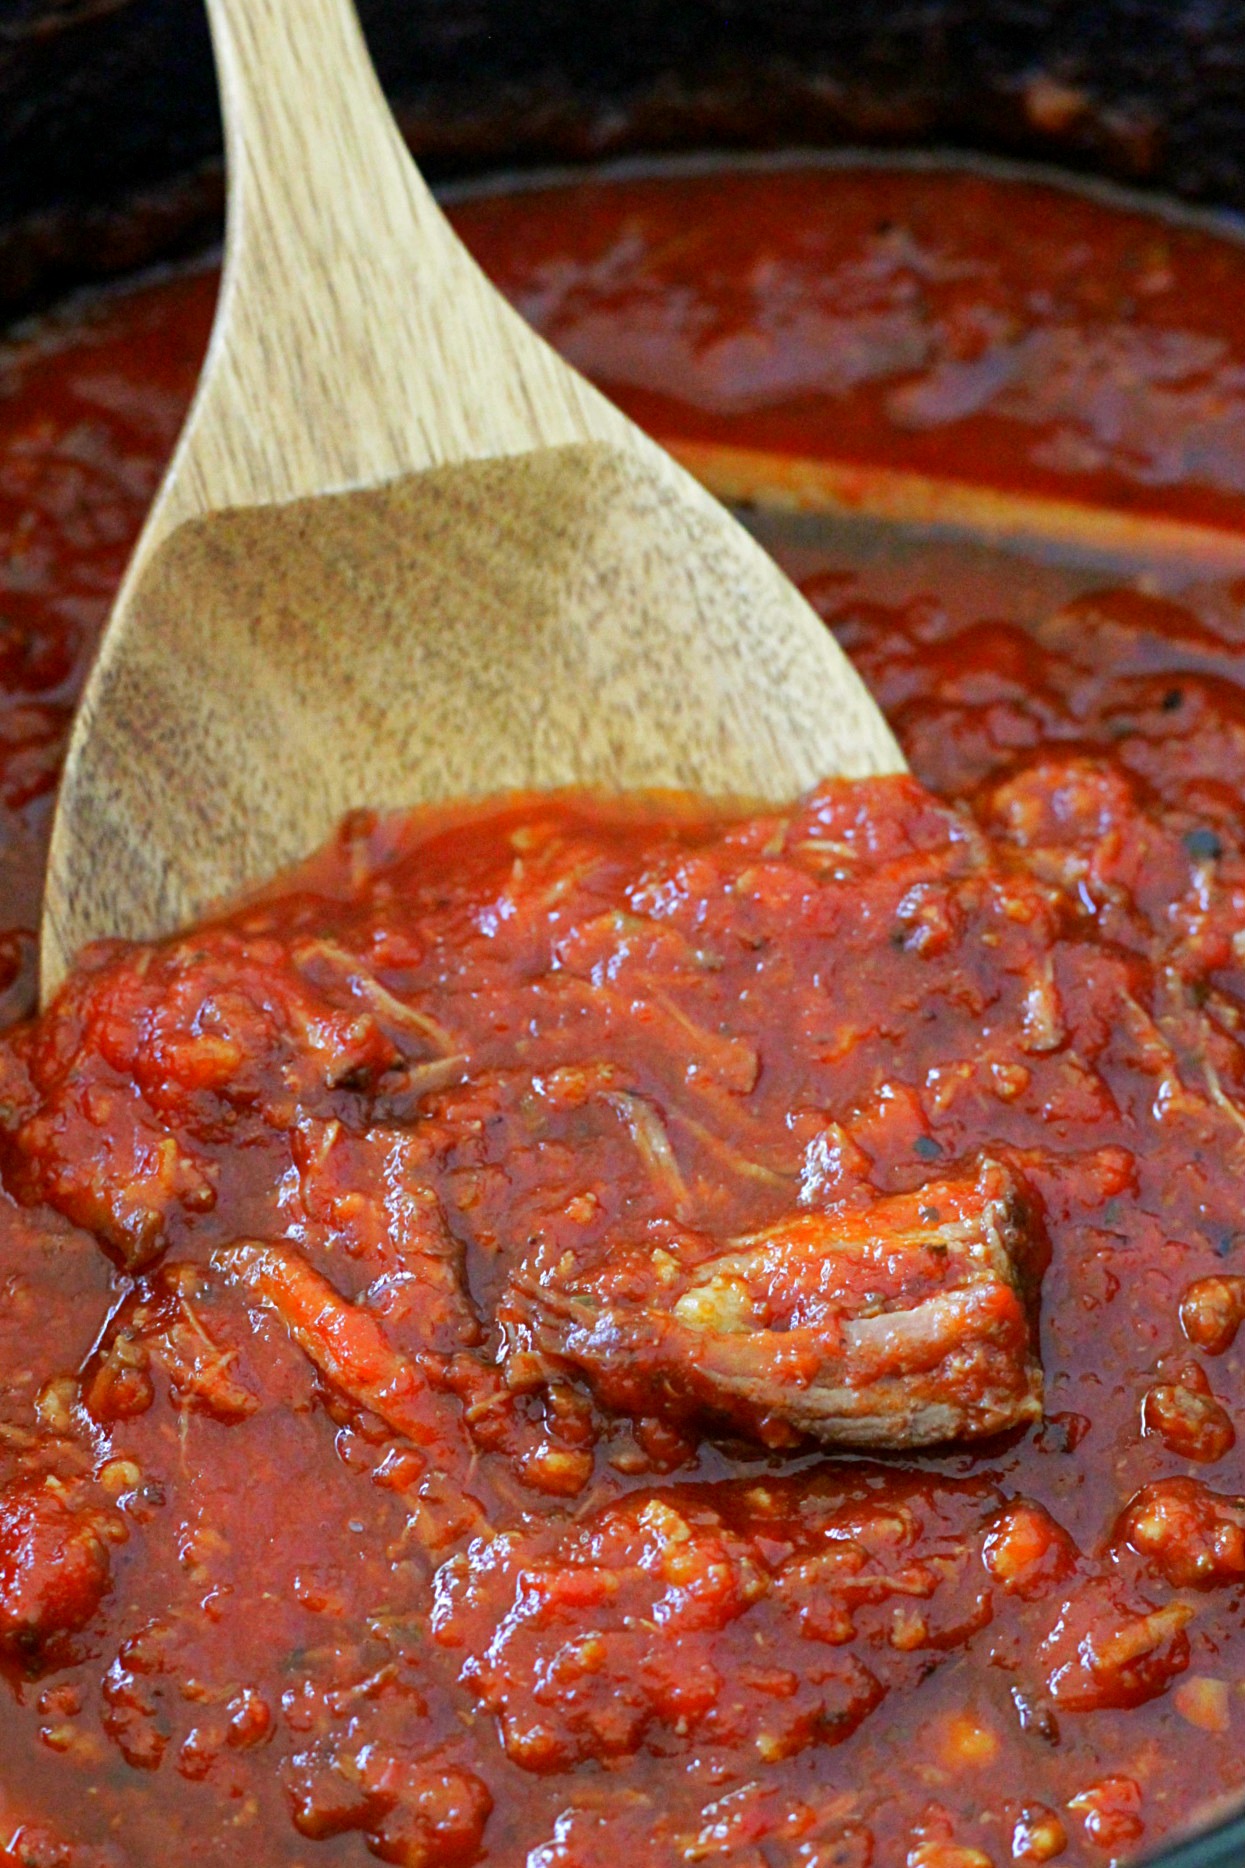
{"x":1022,"y":336}
{"x":89,"y":412}
{"x":421,"y":1465}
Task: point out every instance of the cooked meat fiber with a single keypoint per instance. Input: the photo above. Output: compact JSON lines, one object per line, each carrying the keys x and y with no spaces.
{"x":901,"y":1325}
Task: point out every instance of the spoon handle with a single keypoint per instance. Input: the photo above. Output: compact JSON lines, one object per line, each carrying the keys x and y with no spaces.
{"x":355,"y":338}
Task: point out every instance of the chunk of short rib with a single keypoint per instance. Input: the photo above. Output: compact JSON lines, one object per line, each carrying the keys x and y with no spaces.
{"x":901,"y":1325}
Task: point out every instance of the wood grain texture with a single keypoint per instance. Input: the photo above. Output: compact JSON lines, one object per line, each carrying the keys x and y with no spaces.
{"x":566,"y":605}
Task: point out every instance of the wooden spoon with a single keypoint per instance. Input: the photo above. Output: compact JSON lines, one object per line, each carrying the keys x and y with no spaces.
{"x":403,"y":552}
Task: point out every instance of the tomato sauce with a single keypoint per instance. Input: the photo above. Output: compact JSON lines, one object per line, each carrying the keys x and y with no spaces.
{"x":1021,"y":336}
{"x":569,"y":1327}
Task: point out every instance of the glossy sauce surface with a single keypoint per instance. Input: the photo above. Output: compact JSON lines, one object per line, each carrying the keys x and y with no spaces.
{"x":1020,"y":336}
{"x":343,"y":1551}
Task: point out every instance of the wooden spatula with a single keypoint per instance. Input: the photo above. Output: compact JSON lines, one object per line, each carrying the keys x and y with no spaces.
{"x":403,"y":552}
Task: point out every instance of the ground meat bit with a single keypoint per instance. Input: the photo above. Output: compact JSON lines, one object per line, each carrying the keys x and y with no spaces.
{"x":429,"y":1813}
{"x":1039,"y":1835}
{"x":170,"y":1323}
{"x":1194,"y":1538}
{"x":1212,"y":1311}
{"x":938,"y":1854}
{"x":54,"y":1565}
{"x":1027,"y":1552}
{"x":1110,"y":1812}
{"x":1106,"y":1649}
{"x":1187,"y":1418}
{"x":135,"y":1689}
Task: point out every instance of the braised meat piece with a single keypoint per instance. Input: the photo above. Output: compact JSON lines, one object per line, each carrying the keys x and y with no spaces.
{"x":899,"y":1325}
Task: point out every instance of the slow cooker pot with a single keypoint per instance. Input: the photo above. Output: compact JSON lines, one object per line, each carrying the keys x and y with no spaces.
{"x":110,"y":147}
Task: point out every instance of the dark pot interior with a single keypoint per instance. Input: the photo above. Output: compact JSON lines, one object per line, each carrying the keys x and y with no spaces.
{"x":110,"y":149}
